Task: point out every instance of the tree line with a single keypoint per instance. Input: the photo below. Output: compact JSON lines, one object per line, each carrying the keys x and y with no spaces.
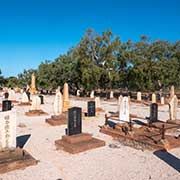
{"x":103,"y":61}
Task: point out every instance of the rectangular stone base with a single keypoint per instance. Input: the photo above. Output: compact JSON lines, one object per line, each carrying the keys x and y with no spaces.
{"x":78,"y":143}
{"x":24,"y":104}
{"x":16,"y":159}
{"x":36,"y":113}
{"x":57,"y":120}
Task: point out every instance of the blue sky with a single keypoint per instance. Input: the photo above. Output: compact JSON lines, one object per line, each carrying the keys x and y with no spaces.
{"x":32,"y":31}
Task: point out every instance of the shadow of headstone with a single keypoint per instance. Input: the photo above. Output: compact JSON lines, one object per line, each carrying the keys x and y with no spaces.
{"x":21,"y":140}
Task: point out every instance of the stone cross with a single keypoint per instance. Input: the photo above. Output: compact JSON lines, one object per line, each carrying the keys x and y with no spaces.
{"x":58,"y":103}
{"x":139,"y":96}
{"x":153,"y":98}
{"x":124,"y":110}
{"x":66,"y":101}
{"x":173,"y":104}
{"x":7,"y":130}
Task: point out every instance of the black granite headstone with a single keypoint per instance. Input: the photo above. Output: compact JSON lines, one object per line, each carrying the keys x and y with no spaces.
{"x":28,"y":95}
{"x":42,"y":99}
{"x":6,"y":95}
{"x":6,"y":105}
{"x":91,"y":108}
{"x":74,"y":121}
{"x":153,"y":113}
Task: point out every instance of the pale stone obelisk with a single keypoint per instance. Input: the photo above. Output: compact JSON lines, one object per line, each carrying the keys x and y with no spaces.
{"x":33,"y":84}
{"x":172,"y":93}
{"x":66,"y":101}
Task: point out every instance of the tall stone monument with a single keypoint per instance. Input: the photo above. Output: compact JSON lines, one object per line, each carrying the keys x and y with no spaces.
{"x":33,"y":84}
{"x":173,"y":104}
{"x":172,"y":92}
{"x":139,"y":96}
{"x":124,"y":114}
{"x":66,"y":101}
{"x":153,"y":98}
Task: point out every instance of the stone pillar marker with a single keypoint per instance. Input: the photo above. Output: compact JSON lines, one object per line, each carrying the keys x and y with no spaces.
{"x":172,"y":92}
{"x":111,"y":95}
{"x":97,"y":101}
{"x":66,"y":101}
{"x":119,"y":102}
{"x":139,"y":96}
{"x":92,"y":94}
{"x":124,"y":110}
{"x":58,"y":103}
{"x":33,"y":84}
{"x":162,"y":100}
{"x":153,"y":98}
{"x":25,"y":98}
{"x":8,"y":130}
{"x":173,"y":104}
{"x":36,"y":101}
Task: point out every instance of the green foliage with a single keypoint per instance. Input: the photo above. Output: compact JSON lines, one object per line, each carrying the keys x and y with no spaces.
{"x":103,"y":61}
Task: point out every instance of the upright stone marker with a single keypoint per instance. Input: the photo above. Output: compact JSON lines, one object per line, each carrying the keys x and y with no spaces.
{"x":153,"y":98}
{"x":33,"y":84}
{"x":6,"y":95}
{"x":25,"y":98}
{"x":162,"y":100}
{"x":119,"y":102}
{"x":92,"y":94}
{"x":111,"y":95}
{"x":66,"y":101}
{"x":41,"y":98}
{"x":172,"y":92}
{"x":153,"y":113}
{"x":7,"y":130}
{"x":91,"y":108}
{"x":6,"y":105}
{"x":139,"y":96}
{"x":12,"y":95}
{"x":173,"y":104}
{"x":124,"y":110}
{"x":58,"y":104}
{"x":74,"y":121}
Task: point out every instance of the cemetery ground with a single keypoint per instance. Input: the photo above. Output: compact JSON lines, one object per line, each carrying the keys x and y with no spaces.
{"x":114,"y":161}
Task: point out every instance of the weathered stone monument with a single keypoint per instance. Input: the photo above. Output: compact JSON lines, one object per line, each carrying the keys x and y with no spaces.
{"x":162,"y":100}
{"x":59,"y":118}
{"x":111,"y":94}
{"x":173,"y":104}
{"x":11,"y":157}
{"x":153,"y":99}
{"x":119,"y":102}
{"x":33,"y":84}
{"x":66,"y":101}
{"x":92,"y":94}
{"x":172,"y":92}
{"x":124,"y":114}
{"x":35,"y":109}
{"x":153,"y":113}
{"x":6,"y":105}
{"x":24,"y":100}
{"x":91,"y":109}
{"x":12,"y":95}
{"x":98,"y":104}
{"x":75,"y":141}
{"x":139,"y":96}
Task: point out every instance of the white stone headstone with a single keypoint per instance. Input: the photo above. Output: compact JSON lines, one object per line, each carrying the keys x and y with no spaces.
{"x":36,"y":102}
{"x":119,"y":102}
{"x":111,"y":95}
{"x":97,"y":101}
{"x":24,"y":98}
{"x":173,"y":104}
{"x":12,"y":95}
{"x":124,"y":110}
{"x":153,"y":98}
{"x":92,"y":94}
{"x":58,"y":104}
{"x":7,"y":130}
{"x":139,"y":96}
{"x":78,"y":93}
{"x":162,"y":100}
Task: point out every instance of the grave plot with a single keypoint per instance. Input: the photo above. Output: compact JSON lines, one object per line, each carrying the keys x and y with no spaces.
{"x":11,"y":157}
{"x":141,"y":133}
{"x":75,"y":141}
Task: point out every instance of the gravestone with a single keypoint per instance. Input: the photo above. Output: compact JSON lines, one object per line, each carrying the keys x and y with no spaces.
{"x":162,"y":100}
{"x":25,"y":98}
{"x":91,"y":108}
{"x":6,"y":105}
{"x":92,"y":94}
{"x":74,"y":121}
{"x":6,"y":95}
{"x":97,"y":102}
{"x":139,"y":96}
{"x":119,"y":102}
{"x":111,"y":95}
{"x":36,"y":101}
{"x":173,"y":104}
{"x":41,"y":98}
{"x":172,"y":92}
{"x":153,"y":113}
{"x":153,"y":98}
{"x":12,"y":95}
{"x":124,"y":109}
{"x":29,"y":95}
{"x":7,"y":130}
{"x":66,"y":101}
{"x":58,"y":103}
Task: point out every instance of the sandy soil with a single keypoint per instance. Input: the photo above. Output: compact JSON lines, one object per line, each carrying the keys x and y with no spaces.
{"x":112,"y":162}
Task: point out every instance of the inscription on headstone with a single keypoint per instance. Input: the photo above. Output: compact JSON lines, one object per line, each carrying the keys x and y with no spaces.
{"x":91,"y":108}
{"x":74,"y":121}
{"x":124,"y":109}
